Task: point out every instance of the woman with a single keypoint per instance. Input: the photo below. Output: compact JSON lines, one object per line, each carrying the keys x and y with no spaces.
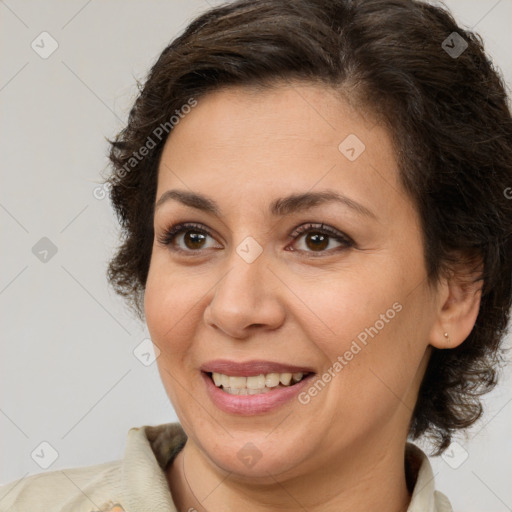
{"x":317,"y":233}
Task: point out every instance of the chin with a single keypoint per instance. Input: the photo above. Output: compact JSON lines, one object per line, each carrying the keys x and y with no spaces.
{"x":247,"y":455}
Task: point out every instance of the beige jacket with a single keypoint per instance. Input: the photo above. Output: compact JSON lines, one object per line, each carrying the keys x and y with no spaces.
{"x":137,"y":483}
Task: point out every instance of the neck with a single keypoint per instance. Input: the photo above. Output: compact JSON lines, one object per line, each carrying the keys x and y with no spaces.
{"x":369,"y":478}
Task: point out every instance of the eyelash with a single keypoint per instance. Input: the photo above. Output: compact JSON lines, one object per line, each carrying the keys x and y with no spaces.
{"x":167,"y":237}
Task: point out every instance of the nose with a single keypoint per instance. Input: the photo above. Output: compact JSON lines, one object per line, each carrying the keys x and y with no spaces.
{"x":246,"y":298}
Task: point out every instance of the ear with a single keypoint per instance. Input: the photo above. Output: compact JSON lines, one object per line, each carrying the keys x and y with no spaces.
{"x":459,"y":303}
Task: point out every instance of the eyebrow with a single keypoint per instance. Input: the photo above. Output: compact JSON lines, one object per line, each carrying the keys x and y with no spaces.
{"x":279,"y":207}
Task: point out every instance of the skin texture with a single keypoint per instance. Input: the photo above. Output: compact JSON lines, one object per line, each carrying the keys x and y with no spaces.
{"x":294,"y":304}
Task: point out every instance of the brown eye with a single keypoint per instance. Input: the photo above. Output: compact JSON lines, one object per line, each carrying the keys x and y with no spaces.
{"x":194,"y":240}
{"x":185,"y":238}
{"x":316,"y":241}
{"x":317,"y":238}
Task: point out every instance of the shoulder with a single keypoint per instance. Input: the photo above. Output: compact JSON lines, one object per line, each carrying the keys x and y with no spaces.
{"x":442,"y":502}
{"x":421,"y":483}
{"x":135,"y":482}
{"x":86,"y":489}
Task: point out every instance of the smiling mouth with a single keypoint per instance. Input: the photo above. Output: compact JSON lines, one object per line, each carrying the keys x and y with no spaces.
{"x":257,"y":384}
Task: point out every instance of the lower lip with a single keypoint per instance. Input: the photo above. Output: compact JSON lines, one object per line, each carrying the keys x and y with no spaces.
{"x":248,"y":405}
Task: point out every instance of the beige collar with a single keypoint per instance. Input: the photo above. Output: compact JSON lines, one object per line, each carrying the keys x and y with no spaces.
{"x":150,"y":449}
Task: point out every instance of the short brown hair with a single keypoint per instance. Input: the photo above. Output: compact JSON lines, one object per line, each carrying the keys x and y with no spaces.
{"x":448,"y":117}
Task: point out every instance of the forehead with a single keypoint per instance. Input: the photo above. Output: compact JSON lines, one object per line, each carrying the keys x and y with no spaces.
{"x":246,"y":143}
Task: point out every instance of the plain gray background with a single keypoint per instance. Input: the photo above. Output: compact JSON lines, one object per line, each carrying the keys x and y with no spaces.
{"x":69,"y":376}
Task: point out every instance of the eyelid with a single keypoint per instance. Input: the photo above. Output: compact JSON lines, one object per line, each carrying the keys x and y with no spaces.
{"x":323,"y":228}
{"x":181,"y":227}
{"x":170,"y":233}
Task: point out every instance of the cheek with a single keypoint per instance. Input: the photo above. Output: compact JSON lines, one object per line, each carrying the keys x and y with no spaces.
{"x":389,"y":360}
{"x":349,"y":306}
{"x":174,"y":301}
{"x":170,"y":296}
{"x":169,"y":309}
{"x":164,"y":305}
{"x":156,"y":303}
{"x":373,"y":322}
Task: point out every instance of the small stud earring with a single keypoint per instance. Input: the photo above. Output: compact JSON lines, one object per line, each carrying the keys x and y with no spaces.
{"x":446,"y":336}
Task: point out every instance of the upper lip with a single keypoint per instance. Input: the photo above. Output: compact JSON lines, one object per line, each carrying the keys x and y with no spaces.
{"x":251,"y":368}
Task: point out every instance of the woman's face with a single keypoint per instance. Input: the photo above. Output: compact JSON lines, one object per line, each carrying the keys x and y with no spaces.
{"x":351,"y":306}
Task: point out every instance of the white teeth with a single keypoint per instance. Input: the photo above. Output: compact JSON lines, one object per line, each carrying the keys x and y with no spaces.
{"x":237,"y":382}
{"x":217,"y":379}
{"x":255,"y":384}
{"x":272,"y":380}
{"x":285,"y":378}
{"x":224,"y":380}
{"x":246,"y":391}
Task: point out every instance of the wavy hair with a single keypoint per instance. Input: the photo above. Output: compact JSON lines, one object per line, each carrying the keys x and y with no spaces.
{"x":427,"y":79}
